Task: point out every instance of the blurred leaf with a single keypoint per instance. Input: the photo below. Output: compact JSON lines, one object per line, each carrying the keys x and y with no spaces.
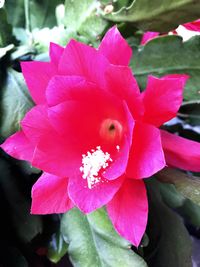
{"x":157,"y":15}
{"x":57,"y":247}
{"x":167,"y":55}
{"x":170,"y":243}
{"x":190,"y":112}
{"x":12,"y":257}
{"x":41,"y":13}
{"x":16,"y":18}
{"x":26,"y":226}
{"x":6,"y":37}
{"x":83,"y":18}
{"x":191,"y":212}
{"x":188,"y":186}
{"x":14,"y":103}
{"x":4,"y":50}
{"x":171,"y":196}
{"x":93,"y":241}
{"x":185,"y":207}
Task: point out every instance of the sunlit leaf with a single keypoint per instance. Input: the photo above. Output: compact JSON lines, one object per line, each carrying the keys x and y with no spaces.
{"x":93,"y":241}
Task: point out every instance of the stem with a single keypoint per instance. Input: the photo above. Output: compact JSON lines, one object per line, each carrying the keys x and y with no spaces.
{"x":27,"y":15}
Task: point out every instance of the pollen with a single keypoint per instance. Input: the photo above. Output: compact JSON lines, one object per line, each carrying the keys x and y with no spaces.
{"x":92,"y":163}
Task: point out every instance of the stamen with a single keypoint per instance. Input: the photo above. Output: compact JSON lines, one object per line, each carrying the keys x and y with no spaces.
{"x":92,"y":163}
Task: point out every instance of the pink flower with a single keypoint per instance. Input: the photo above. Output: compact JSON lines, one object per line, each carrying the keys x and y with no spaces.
{"x":95,"y":135}
{"x":191,"y":26}
{"x":148,"y":36}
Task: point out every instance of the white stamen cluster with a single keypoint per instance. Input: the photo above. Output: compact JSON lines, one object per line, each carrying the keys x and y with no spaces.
{"x":92,"y":163}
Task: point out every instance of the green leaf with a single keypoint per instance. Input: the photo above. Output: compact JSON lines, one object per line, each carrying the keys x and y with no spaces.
{"x":6,"y":37}
{"x":170,"y":243}
{"x":93,"y":241}
{"x":26,"y":226}
{"x":15,"y":102}
{"x":11,"y":256}
{"x":83,"y":18}
{"x":157,"y":15}
{"x":185,"y":207}
{"x":188,"y":186}
{"x":41,"y":13}
{"x":57,"y":247}
{"x":167,"y":55}
{"x":190,"y":112}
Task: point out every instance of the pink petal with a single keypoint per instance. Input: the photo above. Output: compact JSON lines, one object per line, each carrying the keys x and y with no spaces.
{"x":82,"y":60}
{"x":37,"y":76}
{"x":148,"y":36}
{"x":146,"y":155}
{"x":49,"y":195}
{"x":115,"y":48}
{"x":55,"y":53}
{"x":128,"y":210}
{"x":88,"y":200}
{"x":180,"y":152}
{"x":18,"y":146}
{"x":49,"y":144}
{"x":163,"y":97}
{"x":193,"y":26}
{"x":121,"y":82}
{"x":35,"y":124}
{"x":62,"y":88}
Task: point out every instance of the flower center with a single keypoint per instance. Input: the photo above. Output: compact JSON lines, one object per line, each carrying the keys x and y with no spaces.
{"x":111,"y":130}
{"x":92,"y":164}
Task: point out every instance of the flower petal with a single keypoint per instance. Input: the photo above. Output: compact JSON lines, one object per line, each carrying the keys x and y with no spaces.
{"x":49,"y":144}
{"x":180,"y":152}
{"x":18,"y":146}
{"x":49,"y":195}
{"x":88,"y":200}
{"x":37,"y":76}
{"x":121,"y":82}
{"x":55,"y":53}
{"x":148,"y":36}
{"x":115,"y":48}
{"x":82,"y":60}
{"x":62,"y":88}
{"x":163,"y":97}
{"x":193,"y":26}
{"x":146,"y":156}
{"x":128,"y":210}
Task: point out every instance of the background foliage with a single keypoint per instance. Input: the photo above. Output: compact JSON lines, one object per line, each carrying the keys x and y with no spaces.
{"x":26,"y":28}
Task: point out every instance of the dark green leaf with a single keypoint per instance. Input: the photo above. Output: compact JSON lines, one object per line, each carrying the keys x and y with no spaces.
{"x":26,"y":226}
{"x":6,"y":37}
{"x":185,"y":207}
{"x":170,"y":243}
{"x":166,"y":55}
{"x":188,"y":186}
{"x":190,"y":112}
{"x":14,"y":104}
{"x":41,"y":13}
{"x":157,"y":15}
{"x":12,"y":257}
{"x":57,"y":247}
{"x":93,"y":241}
